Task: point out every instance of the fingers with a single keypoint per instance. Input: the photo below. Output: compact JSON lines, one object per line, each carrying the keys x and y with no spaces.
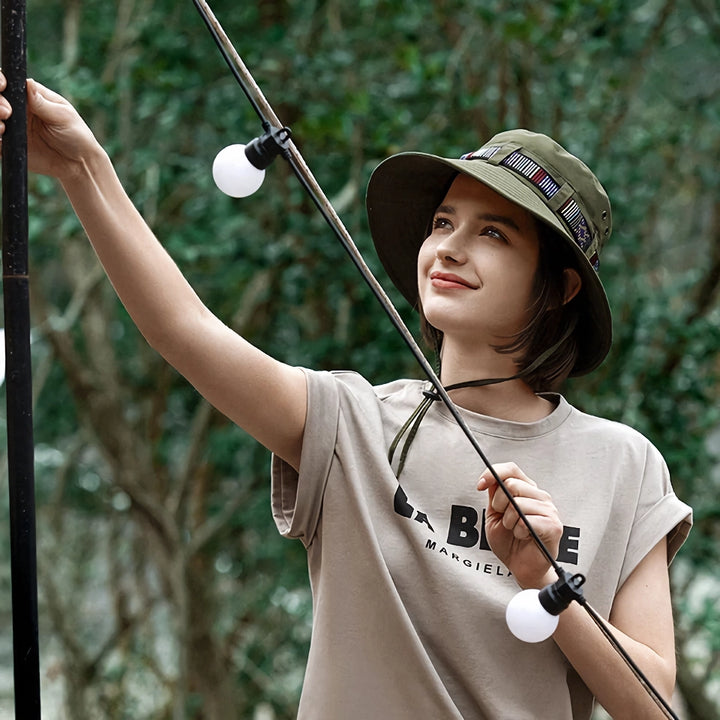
{"x":5,"y":113}
{"x":520,"y":490}
{"x":37,"y":94}
{"x":536,"y":504}
{"x":5,"y":107}
{"x":540,"y":513}
{"x":504,"y":471}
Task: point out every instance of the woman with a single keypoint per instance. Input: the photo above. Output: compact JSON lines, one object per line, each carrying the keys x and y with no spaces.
{"x":412,"y":559}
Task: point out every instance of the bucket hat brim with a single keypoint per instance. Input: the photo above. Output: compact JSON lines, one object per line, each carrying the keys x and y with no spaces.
{"x":403,"y":194}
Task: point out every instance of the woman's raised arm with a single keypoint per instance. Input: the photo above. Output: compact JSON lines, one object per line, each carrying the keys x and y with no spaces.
{"x":265,"y":397}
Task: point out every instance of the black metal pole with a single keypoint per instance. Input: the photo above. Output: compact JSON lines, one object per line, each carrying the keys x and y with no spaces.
{"x":16,"y":292}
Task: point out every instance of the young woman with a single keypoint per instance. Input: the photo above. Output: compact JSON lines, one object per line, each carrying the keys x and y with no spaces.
{"x":413,"y":553}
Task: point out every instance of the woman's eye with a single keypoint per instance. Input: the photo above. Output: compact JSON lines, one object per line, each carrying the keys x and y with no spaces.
{"x":441,"y":223}
{"x":495,"y":233}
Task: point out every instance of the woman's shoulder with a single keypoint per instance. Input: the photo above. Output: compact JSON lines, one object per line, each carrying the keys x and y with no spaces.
{"x":355,"y":389}
{"x":355,"y":382}
{"x":598,"y":430}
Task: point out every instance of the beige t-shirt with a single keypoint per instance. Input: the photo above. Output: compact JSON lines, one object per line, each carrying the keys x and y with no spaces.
{"x":408,"y":598}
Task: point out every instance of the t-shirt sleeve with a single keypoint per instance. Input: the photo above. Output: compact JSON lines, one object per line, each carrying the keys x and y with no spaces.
{"x":659,"y":513}
{"x":297,"y":497}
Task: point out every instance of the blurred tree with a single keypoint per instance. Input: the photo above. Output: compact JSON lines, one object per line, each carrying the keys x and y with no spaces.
{"x":165,"y":591}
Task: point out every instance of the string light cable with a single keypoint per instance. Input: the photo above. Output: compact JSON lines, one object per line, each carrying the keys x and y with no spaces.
{"x":257,"y":155}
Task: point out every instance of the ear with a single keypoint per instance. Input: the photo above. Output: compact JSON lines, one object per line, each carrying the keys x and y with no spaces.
{"x":573,"y":283}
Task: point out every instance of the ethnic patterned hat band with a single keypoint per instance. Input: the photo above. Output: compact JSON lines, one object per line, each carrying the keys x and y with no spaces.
{"x":567,"y":209}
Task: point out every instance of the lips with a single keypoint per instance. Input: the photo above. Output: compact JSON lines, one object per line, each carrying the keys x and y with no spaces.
{"x":450,"y":281}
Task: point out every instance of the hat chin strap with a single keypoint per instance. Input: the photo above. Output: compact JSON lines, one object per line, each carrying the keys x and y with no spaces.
{"x":412,"y":424}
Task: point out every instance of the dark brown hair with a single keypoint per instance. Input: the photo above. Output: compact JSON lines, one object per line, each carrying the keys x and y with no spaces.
{"x":552,"y":323}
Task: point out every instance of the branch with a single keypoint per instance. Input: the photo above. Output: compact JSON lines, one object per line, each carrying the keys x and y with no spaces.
{"x":211,"y":528}
{"x":196,"y":447}
{"x":102,"y":414}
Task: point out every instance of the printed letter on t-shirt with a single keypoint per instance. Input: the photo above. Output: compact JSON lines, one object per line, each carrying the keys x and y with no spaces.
{"x":463,"y":530}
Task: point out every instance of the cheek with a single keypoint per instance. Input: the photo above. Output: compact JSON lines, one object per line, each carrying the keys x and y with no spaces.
{"x":524,"y":293}
{"x":427,"y":250}
{"x":426,"y":257}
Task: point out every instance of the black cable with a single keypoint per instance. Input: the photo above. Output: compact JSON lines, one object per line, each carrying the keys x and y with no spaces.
{"x":617,"y":646}
{"x":233,"y":60}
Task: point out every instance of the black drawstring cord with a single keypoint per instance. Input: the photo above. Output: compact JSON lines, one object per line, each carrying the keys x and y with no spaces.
{"x":413,"y":422}
{"x":418,"y":413}
{"x":431,"y":395}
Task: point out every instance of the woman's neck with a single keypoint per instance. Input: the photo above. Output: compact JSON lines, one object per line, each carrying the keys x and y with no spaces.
{"x":508,"y":400}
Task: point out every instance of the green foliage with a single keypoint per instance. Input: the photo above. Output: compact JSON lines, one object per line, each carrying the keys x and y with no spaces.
{"x":130,"y":469}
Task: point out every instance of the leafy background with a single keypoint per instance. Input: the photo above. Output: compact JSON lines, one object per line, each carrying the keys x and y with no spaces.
{"x":165,"y":591}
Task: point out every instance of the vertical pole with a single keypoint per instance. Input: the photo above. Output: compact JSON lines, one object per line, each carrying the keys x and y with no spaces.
{"x":16,"y":294}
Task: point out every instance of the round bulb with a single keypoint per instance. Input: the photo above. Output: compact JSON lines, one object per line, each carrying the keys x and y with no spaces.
{"x":234,"y":174}
{"x":528,"y":620}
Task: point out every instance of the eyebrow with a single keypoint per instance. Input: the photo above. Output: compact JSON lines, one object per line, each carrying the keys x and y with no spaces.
{"x":487,"y":217}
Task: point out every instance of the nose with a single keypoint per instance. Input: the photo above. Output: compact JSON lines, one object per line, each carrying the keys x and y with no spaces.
{"x":452,"y":248}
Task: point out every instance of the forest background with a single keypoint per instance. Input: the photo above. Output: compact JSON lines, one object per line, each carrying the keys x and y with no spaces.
{"x":165,"y":591}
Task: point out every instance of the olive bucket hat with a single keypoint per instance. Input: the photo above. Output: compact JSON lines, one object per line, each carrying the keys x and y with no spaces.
{"x":527,"y":168}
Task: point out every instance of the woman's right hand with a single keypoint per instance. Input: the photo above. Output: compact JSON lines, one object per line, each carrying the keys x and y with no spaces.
{"x":59,"y":141}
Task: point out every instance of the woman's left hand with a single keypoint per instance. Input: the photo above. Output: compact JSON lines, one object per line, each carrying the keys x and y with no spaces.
{"x":507,"y":533}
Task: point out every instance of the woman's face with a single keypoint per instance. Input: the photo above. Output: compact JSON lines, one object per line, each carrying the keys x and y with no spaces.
{"x":476,"y":269}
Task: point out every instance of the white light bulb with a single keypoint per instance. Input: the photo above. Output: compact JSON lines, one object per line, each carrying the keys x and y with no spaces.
{"x":234,"y":174}
{"x":528,"y":620}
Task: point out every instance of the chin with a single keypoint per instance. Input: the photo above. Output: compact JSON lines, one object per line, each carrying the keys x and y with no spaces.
{"x":451,"y":327}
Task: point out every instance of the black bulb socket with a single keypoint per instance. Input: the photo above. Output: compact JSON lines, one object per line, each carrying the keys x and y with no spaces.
{"x":261,"y":151}
{"x":557,"y":596}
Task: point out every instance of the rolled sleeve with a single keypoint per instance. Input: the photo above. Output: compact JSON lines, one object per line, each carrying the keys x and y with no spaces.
{"x":660,"y":514}
{"x":297,"y":496}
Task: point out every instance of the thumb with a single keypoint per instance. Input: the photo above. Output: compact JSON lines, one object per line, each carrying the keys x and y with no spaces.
{"x":43,"y":101}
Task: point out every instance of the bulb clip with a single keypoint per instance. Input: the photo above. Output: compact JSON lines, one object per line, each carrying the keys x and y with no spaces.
{"x":261,"y":151}
{"x":556,"y":597}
